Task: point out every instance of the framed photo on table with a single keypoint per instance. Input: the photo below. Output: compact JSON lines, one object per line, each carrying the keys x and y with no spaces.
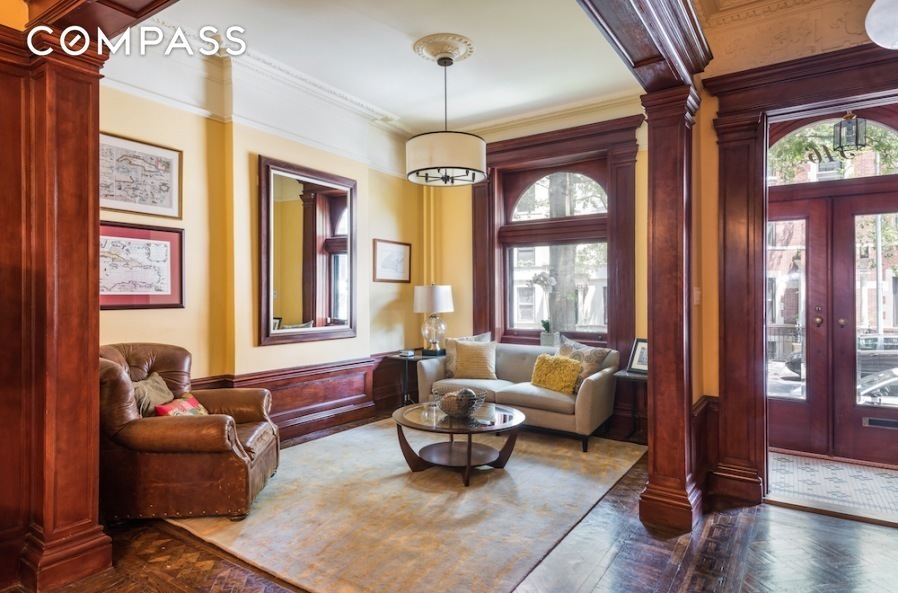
{"x":639,"y":357}
{"x":139,"y":177}
{"x":141,"y":267}
{"x":392,"y":261}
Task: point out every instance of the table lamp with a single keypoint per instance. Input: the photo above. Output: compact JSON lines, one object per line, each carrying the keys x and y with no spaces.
{"x":433,"y":299}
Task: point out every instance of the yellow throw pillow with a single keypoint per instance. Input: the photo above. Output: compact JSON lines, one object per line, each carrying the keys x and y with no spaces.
{"x":558,"y":373}
{"x":475,"y":360}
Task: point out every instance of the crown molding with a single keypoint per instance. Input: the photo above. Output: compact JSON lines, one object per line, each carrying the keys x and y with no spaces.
{"x":607,"y":108}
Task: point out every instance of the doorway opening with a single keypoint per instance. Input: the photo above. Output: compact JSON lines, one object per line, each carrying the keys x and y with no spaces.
{"x":831,"y":318}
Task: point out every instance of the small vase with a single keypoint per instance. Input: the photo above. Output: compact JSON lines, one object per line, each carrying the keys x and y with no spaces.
{"x":549,"y":338}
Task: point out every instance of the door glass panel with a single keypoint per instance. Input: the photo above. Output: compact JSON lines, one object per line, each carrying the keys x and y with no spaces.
{"x":876,"y":306}
{"x":786,"y":308}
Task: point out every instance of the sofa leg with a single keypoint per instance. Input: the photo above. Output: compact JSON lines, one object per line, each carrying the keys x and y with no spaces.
{"x":585,"y":441}
{"x":236,"y":518}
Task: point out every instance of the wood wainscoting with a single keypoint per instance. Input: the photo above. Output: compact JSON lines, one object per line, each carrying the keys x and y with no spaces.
{"x":705,"y":428}
{"x":309,"y":398}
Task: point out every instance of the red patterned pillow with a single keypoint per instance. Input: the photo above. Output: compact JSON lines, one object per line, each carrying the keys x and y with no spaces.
{"x":186,"y":405}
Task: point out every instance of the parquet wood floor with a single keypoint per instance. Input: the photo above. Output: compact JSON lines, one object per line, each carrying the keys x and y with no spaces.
{"x":761,"y":549}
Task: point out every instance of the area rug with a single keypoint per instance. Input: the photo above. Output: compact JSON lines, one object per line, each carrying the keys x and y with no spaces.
{"x":345,"y":514}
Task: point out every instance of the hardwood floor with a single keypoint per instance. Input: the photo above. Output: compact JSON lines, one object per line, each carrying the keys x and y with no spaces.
{"x":761,"y":549}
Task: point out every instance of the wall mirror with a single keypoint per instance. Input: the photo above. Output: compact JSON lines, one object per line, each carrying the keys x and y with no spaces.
{"x":307,"y":252}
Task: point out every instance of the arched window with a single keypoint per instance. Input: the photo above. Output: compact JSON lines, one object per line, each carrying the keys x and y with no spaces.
{"x":806,"y":155}
{"x":561,"y":194}
{"x":556,"y":254}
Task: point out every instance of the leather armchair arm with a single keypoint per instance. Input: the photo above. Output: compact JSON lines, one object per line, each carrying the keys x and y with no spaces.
{"x":243,"y":405}
{"x":429,"y":370}
{"x":180,"y":434}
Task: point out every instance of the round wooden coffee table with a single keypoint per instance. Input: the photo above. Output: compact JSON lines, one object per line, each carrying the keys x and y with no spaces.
{"x":429,"y":418}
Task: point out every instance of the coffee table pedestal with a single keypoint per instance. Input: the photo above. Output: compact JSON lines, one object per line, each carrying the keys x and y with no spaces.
{"x":457,"y":453}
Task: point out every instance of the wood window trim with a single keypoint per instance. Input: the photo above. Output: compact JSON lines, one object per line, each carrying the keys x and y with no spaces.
{"x":609,"y":146}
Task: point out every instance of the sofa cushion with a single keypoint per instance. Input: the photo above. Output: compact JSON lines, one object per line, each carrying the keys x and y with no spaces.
{"x":255,"y":437}
{"x":451,"y":350}
{"x":514,"y":362}
{"x":558,"y":373}
{"x":528,"y":395}
{"x":591,"y":359}
{"x":476,"y":360}
{"x":490,"y":386}
{"x":151,"y":392}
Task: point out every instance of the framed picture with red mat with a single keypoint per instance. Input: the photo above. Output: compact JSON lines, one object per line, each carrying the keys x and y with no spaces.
{"x":141,"y":266}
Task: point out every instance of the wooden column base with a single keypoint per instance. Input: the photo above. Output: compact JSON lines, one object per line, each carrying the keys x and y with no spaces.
{"x":46,"y":565}
{"x":671,"y":508}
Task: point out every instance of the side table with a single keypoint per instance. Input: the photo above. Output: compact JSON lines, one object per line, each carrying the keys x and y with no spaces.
{"x":640,"y":381}
{"x":406,"y":360}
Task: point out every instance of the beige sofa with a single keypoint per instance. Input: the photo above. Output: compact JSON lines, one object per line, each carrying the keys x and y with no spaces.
{"x":581,"y":413}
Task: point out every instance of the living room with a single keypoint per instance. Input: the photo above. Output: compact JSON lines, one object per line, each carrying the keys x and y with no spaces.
{"x":682,"y":215}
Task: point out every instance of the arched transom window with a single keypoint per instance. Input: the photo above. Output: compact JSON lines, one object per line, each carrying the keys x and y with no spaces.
{"x":806,"y":155}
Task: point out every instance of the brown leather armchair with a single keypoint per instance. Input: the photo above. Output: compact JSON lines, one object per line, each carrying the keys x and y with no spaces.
{"x":179,"y":466}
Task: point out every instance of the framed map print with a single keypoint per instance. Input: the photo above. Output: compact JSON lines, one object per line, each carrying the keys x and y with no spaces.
{"x":138,"y":177}
{"x":392,"y":261}
{"x":141,"y":267}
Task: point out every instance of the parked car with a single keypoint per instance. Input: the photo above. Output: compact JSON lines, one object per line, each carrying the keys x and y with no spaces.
{"x":875,"y":353}
{"x":879,"y":388}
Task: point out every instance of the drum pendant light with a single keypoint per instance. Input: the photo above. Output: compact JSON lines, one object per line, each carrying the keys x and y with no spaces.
{"x":445,"y":158}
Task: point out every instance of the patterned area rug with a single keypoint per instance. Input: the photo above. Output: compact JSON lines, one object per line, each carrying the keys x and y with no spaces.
{"x":345,"y":514}
{"x":834,"y":483}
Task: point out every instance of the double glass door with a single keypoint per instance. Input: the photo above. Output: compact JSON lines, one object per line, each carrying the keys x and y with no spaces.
{"x":832,"y":321}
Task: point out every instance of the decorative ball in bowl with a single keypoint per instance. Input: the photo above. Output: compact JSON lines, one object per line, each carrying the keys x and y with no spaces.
{"x":459,"y":402}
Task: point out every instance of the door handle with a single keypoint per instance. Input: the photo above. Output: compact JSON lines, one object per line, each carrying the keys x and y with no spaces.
{"x":842,"y":321}
{"x":818,"y":320}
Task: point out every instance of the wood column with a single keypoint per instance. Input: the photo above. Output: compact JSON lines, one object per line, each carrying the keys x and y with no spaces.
{"x":671,"y":497}
{"x":52,"y":301}
{"x":742,"y":445}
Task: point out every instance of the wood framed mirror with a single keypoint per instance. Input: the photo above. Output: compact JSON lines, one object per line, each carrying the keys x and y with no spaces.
{"x":307,"y":259}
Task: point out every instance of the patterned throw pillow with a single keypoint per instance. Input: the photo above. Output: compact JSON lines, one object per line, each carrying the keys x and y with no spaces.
{"x":558,"y":373}
{"x":451,"y":350}
{"x":186,"y":405}
{"x":476,"y":360}
{"x":590,"y":358}
{"x":151,"y":392}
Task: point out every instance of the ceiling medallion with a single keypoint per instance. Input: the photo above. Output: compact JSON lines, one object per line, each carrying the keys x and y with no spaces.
{"x":433,"y":47}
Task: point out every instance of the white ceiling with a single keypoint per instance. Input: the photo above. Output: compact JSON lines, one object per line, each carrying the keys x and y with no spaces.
{"x":530,"y":56}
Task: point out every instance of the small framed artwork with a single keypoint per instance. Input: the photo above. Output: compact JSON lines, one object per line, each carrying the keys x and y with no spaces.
{"x":140,"y":178}
{"x":392,"y":261}
{"x":639,"y":358}
{"x":141,"y":267}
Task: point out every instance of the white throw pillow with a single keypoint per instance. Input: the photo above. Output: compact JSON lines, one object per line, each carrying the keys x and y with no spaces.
{"x":452,"y":351}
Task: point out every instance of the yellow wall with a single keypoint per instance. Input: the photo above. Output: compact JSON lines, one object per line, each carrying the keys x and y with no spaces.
{"x":220,"y":218}
{"x":448,"y":225}
{"x":199,"y":326}
{"x":642,"y":243}
{"x":395,"y":215}
{"x":14,"y":14}
{"x":287,"y":264}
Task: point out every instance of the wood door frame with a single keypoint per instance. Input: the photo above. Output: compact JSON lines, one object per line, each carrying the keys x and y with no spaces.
{"x":748,"y":102}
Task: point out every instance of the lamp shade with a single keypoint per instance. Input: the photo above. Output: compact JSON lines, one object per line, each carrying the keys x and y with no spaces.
{"x":445,"y":158}
{"x":433,"y":299}
{"x":882,"y":23}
